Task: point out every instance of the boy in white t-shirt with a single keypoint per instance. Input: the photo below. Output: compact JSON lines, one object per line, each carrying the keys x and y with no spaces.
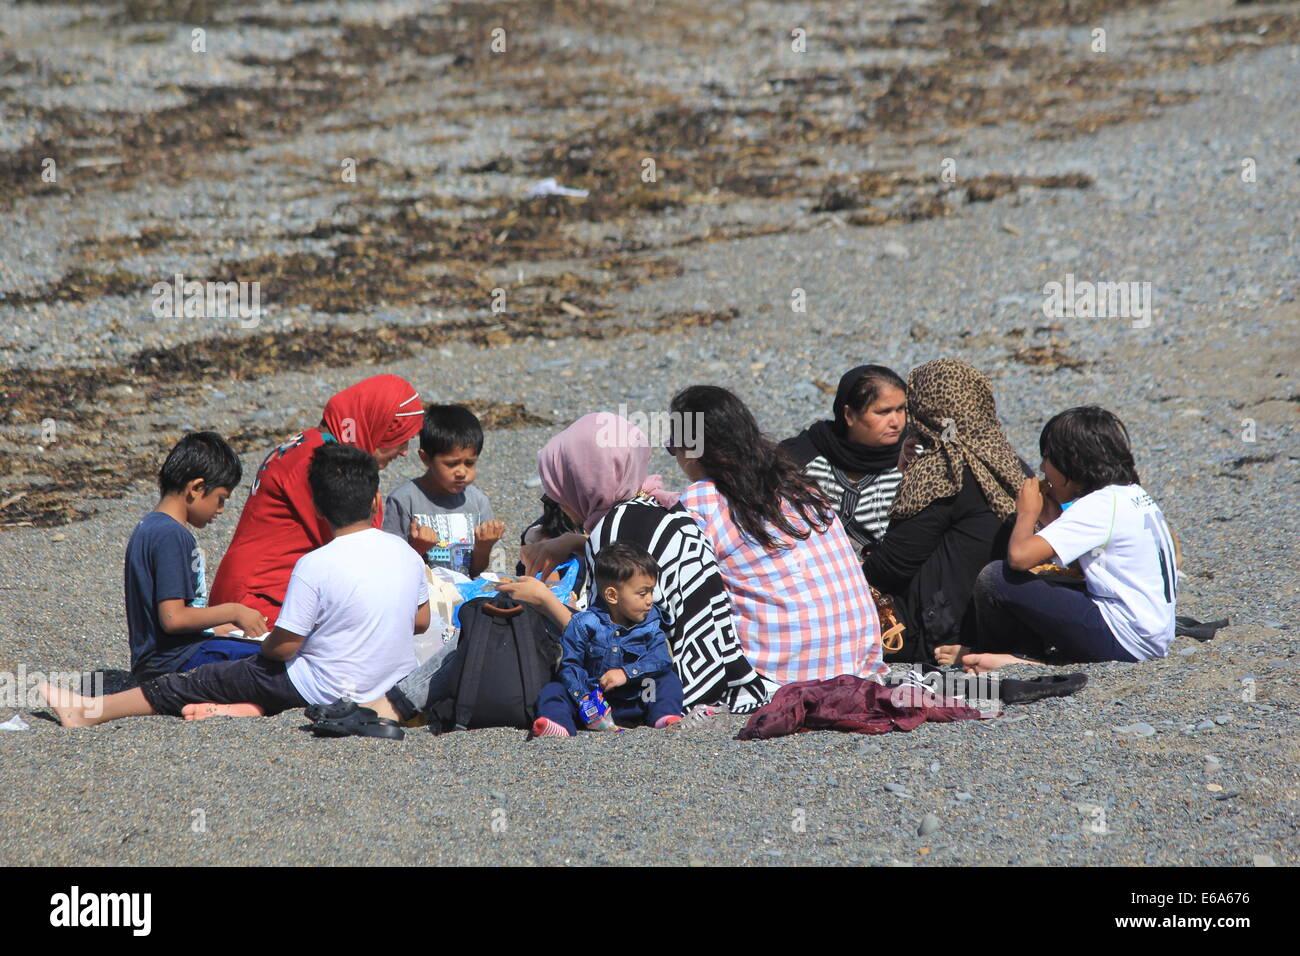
{"x":346,"y":630}
{"x":1098,"y":515}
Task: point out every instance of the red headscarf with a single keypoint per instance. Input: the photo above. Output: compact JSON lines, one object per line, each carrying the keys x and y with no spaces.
{"x":375,"y":413}
{"x":279,"y":523}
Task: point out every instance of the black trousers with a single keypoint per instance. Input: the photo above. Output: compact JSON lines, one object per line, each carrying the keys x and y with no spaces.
{"x":249,"y":680}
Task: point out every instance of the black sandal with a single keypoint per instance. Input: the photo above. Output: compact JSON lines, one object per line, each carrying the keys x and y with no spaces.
{"x":348,"y":719}
{"x":335,"y":711}
{"x":1038,"y":688}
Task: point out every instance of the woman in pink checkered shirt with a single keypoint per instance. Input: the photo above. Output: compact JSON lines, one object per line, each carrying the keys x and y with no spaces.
{"x":801,"y":604}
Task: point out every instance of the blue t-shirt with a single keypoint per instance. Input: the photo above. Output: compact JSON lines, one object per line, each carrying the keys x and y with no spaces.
{"x":163,"y":561}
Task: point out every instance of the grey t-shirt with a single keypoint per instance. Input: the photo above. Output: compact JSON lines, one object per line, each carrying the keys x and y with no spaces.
{"x":454,"y":517}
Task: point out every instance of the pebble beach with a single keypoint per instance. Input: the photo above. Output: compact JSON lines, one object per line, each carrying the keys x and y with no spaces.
{"x":901,"y":190}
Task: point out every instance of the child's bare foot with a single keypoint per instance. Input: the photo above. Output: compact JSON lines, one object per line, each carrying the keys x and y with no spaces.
{"x":949,"y":654}
{"x":383,"y":708}
{"x":982,"y":663}
{"x":204,"y":711}
{"x":71,"y":708}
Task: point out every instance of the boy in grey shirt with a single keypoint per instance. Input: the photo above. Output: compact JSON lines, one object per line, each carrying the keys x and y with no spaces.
{"x":441,"y":514}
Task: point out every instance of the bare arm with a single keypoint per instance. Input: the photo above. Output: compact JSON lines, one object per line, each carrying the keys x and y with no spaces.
{"x":1026,"y":549}
{"x":282,"y":645}
{"x":534,"y":592}
{"x":176,"y":617}
{"x":422,"y":617}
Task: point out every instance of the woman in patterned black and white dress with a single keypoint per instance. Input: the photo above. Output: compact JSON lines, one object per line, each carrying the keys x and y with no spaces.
{"x":853,"y":457}
{"x":597,"y":471}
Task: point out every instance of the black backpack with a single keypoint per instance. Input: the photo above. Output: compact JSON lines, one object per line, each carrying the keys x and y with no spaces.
{"x":503,"y":658}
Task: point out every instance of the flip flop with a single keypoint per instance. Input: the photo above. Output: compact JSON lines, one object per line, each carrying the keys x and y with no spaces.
{"x":335,"y":711}
{"x":1038,"y":688}
{"x":355,"y":721}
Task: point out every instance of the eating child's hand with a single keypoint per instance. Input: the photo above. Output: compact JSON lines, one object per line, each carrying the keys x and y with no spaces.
{"x":614,"y":677}
{"x":489,"y":532}
{"x":422,"y":539}
{"x":251,"y":622}
{"x":1029,"y":503}
{"x":907,"y":452}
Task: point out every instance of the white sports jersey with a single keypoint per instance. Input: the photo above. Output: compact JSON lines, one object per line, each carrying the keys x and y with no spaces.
{"x":1126,"y":552}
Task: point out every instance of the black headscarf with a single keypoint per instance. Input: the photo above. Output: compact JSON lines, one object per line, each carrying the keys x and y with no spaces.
{"x":830,"y":439}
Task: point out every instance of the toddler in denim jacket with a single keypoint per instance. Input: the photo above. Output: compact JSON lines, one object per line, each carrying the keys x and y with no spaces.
{"x":618,"y":647}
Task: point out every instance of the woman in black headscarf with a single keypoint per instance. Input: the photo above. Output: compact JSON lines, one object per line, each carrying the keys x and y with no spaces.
{"x":853,"y":457}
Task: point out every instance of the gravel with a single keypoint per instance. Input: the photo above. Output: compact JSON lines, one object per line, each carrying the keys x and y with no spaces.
{"x":1220,"y":351}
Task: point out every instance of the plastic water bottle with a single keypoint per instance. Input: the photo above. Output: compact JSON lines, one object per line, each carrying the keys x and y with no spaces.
{"x":596,"y":713}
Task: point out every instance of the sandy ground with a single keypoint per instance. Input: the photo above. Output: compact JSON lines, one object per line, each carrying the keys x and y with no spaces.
{"x":692,"y":282}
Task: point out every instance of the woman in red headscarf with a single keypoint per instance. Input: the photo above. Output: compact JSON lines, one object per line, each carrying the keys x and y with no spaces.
{"x":279,"y":523}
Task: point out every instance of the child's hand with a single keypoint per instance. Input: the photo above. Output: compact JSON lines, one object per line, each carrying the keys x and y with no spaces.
{"x":1029,"y":503}
{"x":1051,"y":508}
{"x":614,"y":677}
{"x":907,"y":452}
{"x":422,"y":539}
{"x":251,"y":622}
{"x":489,"y":533}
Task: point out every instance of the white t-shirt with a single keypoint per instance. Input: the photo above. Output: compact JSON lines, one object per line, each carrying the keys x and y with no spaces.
{"x":354,"y":600}
{"x":1127,"y":557}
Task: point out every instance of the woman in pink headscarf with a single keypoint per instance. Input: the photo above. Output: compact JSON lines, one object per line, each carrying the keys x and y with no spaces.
{"x":596,"y":470}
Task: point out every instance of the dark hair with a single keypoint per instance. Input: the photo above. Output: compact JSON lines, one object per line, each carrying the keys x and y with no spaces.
{"x":448,"y":427}
{"x":343,"y":480}
{"x":758,"y":479}
{"x":619,"y":561}
{"x":1089,"y":445}
{"x":873,"y":380}
{"x":202,"y":455}
{"x":554,"y":522}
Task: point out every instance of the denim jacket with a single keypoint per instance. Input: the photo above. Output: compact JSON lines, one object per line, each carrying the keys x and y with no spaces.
{"x":594,"y":644}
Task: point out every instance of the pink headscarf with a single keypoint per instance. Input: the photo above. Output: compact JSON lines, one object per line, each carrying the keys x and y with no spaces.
{"x":596,"y":463}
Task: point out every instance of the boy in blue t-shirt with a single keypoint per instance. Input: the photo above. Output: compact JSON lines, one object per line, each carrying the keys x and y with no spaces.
{"x":169,"y":624}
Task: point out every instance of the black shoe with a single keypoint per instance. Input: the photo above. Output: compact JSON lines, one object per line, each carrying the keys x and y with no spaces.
{"x":1038,"y":688}
{"x":335,"y":720}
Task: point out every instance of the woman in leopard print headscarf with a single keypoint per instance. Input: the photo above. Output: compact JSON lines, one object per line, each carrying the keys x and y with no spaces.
{"x":950,"y":516}
{"x":951,"y":413}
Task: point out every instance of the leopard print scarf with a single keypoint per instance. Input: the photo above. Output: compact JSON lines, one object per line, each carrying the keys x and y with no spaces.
{"x":950,"y":408}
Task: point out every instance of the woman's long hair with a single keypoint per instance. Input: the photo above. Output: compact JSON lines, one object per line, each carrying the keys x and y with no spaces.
{"x":758,"y":479}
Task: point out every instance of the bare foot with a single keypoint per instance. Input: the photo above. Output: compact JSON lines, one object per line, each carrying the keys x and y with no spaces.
{"x":949,"y":654}
{"x":384,"y":709}
{"x":983,"y":663}
{"x":204,"y":711}
{"x":71,"y":708}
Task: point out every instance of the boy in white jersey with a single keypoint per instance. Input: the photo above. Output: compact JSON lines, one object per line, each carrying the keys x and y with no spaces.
{"x":1096,"y":514}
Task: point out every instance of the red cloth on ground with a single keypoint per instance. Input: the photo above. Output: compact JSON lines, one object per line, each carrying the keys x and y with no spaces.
{"x":851,"y":704}
{"x":279,"y":523}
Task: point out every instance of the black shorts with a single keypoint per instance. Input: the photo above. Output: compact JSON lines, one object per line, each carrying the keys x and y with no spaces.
{"x":249,"y":680}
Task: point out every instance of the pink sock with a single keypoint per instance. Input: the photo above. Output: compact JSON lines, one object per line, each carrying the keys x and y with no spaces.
{"x":545,"y":727}
{"x":666,"y":721}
